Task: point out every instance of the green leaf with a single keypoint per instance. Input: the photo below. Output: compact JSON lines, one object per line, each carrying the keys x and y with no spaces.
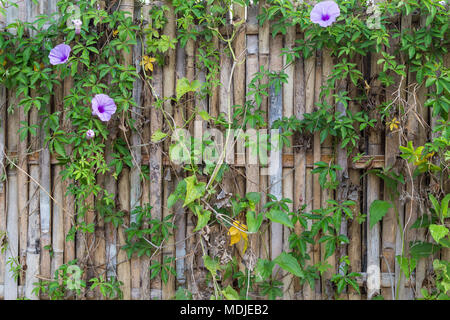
{"x":203,"y":219}
{"x":211,"y":264}
{"x":230,"y":294}
{"x":421,"y":249}
{"x":378,"y":210}
{"x":59,"y":148}
{"x":277,"y":215}
{"x":438,"y":232}
{"x":184,"y":86}
{"x":290,"y":264}
{"x":194,"y":190}
{"x":254,"y":221}
{"x":158,"y":135}
{"x":205,"y":115}
{"x":263,"y":269}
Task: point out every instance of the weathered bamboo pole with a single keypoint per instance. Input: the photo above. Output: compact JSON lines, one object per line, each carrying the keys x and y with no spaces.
{"x":33,"y":249}
{"x":389,"y":224}
{"x":288,"y":174}
{"x":275,"y":177}
{"x":12,"y":214}
{"x":317,"y":157}
{"x":180,"y":215}
{"x":168,"y":289}
{"x":310,"y":79}
{"x":58,"y":195}
{"x":263,"y":48}
{"x":252,"y":167}
{"x":327,"y":149}
{"x":145,"y":199}
{"x":110,"y":230}
{"x":354,"y":229}
{"x":155,"y":165}
{"x":135,"y":171}
{"x":123,"y":264}
{"x":300,"y":182}
{"x":400,"y":241}
{"x":3,"y":125}
{"x":68,"y":197}
{"x":420,"y":135}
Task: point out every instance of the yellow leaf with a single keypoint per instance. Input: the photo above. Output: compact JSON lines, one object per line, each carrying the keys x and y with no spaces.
{"x":393,"y":124}
{"x":237,"y":235}
{"x":147,"y":62}
{"x":115,"y":32}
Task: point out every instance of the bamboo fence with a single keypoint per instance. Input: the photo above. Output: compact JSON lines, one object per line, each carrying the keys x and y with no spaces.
{"x":36,"y":211}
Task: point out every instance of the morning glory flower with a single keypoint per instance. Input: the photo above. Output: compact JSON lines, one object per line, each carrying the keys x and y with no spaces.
{"x":59,"y":54}
{"x":325,"y":13}
{"x":90,"y":134}
{"x":77,"y":23}
{"x":103,"y":106}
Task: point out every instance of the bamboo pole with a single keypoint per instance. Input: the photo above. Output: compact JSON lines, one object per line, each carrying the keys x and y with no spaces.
{"x":12,"y":215}
{"x":145,"y":199}
{"x":135,"y":171}
{"x":123,"y":264}
{"x":263,"y":47}
{"x":420,"y":138}
{"x":180,"y":214}
{"x":310,"y":79}
{"x":110,"y":230}
{"x":68,"y":197}
{"x":300,"y":182}
{"x":168,"y":289}
{"x":373,"y":193}
{"x":3,"y":106}
{"x":354,"y":229}
{"x":57,"y":192}
{"x":252,"y":163}
{"x":288,"y":174}
{"x":327,"y":149}
{"x":155,"y":165}
{"x":317,"y":157}
{"x":389,"y":224}
{"x":33,"y":249}
{"x":275,"y":178}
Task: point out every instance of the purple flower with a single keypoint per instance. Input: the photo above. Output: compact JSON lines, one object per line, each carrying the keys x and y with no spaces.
{"x":77,"y":23}
{"x":90,"y":134}
{"x":325,"y":13}
{"x":103,"y":106}
{"x":59,"y":54}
